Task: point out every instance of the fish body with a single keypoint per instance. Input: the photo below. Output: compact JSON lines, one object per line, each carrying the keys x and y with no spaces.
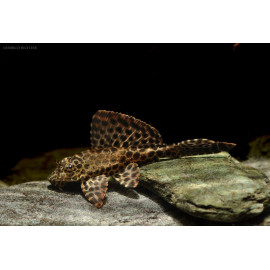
{"x":120,"y":144}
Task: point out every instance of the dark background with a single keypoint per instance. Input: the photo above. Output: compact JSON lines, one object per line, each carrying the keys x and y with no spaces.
{"x":49,"y":92}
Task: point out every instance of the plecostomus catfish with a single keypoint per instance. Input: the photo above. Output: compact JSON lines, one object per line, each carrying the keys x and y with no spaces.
{"x":120,"y":143}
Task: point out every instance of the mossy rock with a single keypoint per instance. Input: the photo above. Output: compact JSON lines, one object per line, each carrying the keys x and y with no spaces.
{"x":3,"y":184}
{"x":260,"y":147}
{"x":213,"y":187}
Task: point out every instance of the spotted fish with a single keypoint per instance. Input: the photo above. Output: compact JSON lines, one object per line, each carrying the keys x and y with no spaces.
{"x":120,"y":144}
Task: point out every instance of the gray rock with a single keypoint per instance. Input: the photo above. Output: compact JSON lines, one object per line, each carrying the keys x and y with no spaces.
{"x":35,"y":203}
{"x":260,"y":163}
{"x":213,"y":187}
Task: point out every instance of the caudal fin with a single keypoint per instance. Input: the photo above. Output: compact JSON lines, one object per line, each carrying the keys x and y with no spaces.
{"x":202,"y":146}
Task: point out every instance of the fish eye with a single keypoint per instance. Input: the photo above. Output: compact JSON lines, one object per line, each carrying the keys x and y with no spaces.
{"x":69,"y":167}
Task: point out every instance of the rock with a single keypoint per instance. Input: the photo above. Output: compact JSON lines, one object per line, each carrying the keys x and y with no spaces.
{"x":260,"y":163}
{"x":213,"y":187}
{"x":36,"y":203}
{"x":263,"y":164}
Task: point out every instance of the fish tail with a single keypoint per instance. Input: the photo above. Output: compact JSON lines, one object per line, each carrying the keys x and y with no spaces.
{"x":196,"y":147}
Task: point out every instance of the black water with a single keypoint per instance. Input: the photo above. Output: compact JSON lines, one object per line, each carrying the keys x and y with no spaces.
{"x":49,"y":92}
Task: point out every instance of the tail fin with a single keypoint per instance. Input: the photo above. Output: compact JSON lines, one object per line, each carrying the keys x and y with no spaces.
{"x":202,"y":146}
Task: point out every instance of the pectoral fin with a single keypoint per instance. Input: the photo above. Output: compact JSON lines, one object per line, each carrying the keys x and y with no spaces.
{"x":95,"y":189}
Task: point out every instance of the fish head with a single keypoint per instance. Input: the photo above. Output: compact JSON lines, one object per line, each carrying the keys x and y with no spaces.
{"x":68,"y":169}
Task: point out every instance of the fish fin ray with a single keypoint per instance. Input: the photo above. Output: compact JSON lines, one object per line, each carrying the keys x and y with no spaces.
{"x":94,"y":189}
{"x":129,"y":177}
{"x":112,"y":129}
{"x":203,"y":146}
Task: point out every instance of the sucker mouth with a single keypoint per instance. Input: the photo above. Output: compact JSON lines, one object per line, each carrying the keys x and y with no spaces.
{"x":53,"y":177}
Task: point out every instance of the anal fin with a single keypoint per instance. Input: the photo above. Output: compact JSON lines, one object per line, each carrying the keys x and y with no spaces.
{"x":95,"y":190}
{"x":129,"y":177}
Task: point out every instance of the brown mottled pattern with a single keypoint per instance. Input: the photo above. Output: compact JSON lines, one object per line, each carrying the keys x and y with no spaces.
{"x":119,"y":144}
{"x":95,"y":191}
{"x":119,"y":130}
{"x":129,"y":177}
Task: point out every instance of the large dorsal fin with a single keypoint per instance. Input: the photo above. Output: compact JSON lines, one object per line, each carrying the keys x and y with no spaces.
{"x":119,"y":130}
